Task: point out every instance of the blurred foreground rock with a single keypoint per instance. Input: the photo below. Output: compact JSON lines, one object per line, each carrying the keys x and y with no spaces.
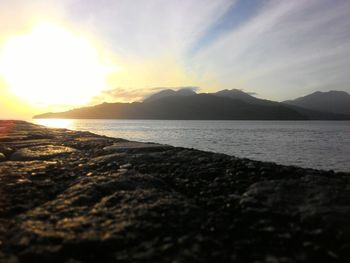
{"x":68,"y":196}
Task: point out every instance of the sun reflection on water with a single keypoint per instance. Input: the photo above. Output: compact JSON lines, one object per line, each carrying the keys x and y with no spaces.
{"x":55,"y":123}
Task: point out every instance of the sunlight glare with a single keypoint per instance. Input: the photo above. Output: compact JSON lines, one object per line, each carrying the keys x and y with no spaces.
{"x":55,"y":123}
{"x":52,"y":66}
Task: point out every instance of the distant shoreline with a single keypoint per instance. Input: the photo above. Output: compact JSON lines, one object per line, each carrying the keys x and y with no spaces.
{"x":284,"y":142}
{"x":57,"y":118}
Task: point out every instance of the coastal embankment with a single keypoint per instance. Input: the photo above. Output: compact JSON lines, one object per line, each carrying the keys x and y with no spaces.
{"x":73,"y":196}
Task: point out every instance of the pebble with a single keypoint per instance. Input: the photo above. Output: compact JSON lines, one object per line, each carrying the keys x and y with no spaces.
{"x":126,"y":166}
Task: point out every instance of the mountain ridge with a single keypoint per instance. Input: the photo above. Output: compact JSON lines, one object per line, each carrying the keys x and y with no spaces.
{"x":186,"y":104}
{"x":331,"y":101}
{"x":170,"y":92}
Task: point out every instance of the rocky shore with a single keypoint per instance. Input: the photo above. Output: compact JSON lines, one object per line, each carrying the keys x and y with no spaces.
{"x":71,"y":196}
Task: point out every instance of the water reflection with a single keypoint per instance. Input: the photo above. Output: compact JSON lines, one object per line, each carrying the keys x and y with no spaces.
{"x":316,"y":144}
{"x":55,"y":123}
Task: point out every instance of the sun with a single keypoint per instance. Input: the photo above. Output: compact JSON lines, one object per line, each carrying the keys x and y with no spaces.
{"x":52,"y":66}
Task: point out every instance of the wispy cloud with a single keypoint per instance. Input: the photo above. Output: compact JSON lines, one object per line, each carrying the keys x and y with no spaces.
{"x":127,"y":94}
{"x":289,"y":47}
{"x":281,"y":49}
{"x":148,"y":28}
{"x":121,"y":94}
{"x":193,"y":88}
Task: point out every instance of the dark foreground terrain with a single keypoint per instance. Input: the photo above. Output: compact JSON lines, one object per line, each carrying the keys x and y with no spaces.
{"x":72,"y":197}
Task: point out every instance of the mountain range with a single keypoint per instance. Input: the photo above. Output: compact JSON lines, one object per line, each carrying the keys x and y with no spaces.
{"x":186,"y":104}
{"x":331,"y":101}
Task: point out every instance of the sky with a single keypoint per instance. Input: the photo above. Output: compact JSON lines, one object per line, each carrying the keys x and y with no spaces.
{"x":86,"y":51}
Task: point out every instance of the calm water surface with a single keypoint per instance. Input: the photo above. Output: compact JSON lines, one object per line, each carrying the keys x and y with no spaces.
{"x":313,"y":144}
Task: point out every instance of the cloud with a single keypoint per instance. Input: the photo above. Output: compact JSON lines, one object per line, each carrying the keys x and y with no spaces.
{"x":193,"y":88}
{"x":148,"y":28}
{"x":288,"y":47}
{"x":252,"y":93}
{"x":122,"y":94}
{"x":281,"y":49}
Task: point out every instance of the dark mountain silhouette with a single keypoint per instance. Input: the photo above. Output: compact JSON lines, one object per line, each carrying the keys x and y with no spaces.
{"x":186,"y":104}
{"x":241,"y":95}
{"x":169,"y":93}
{"x":209,"y":106}
{"x":318,"y":115}
{"x":331,"y":101}
{"x":198,"y":106}
{"x":309,"y":113}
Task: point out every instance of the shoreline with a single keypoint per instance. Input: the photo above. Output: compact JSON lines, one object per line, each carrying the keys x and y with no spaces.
{"x":262,"y":120}
{"x":285,"y":143}
{"x":73,"y":196}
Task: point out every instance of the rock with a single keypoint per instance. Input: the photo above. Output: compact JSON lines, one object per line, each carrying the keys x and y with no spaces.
{"x":6,"y":150}
{"x":124,"y":146}
{"x":40,"y":152}
{"x":109,"y":158}
{"x":126,"y":166}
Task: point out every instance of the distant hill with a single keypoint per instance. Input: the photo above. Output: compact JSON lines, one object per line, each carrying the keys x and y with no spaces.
{"x":331,"y":101}
{"x":311,"y":114}
{"x":170,"y":93}
{"x":241,"y":95}
{"x":186,"y":104}
{"x":198,"y":107}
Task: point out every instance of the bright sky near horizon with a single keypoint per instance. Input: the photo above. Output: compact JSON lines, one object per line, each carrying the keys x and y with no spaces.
{"x":57,"y":54}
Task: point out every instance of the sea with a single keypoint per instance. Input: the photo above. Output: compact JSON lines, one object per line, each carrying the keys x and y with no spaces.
{"x":311,"y":144}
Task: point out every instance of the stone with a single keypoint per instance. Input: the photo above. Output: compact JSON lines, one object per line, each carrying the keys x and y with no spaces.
{"x":40,"y":152}
{"x":109,"y":158}
{"x":126,"y":166}
{"x":124,"y":146}
{"x":6,"y":150}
